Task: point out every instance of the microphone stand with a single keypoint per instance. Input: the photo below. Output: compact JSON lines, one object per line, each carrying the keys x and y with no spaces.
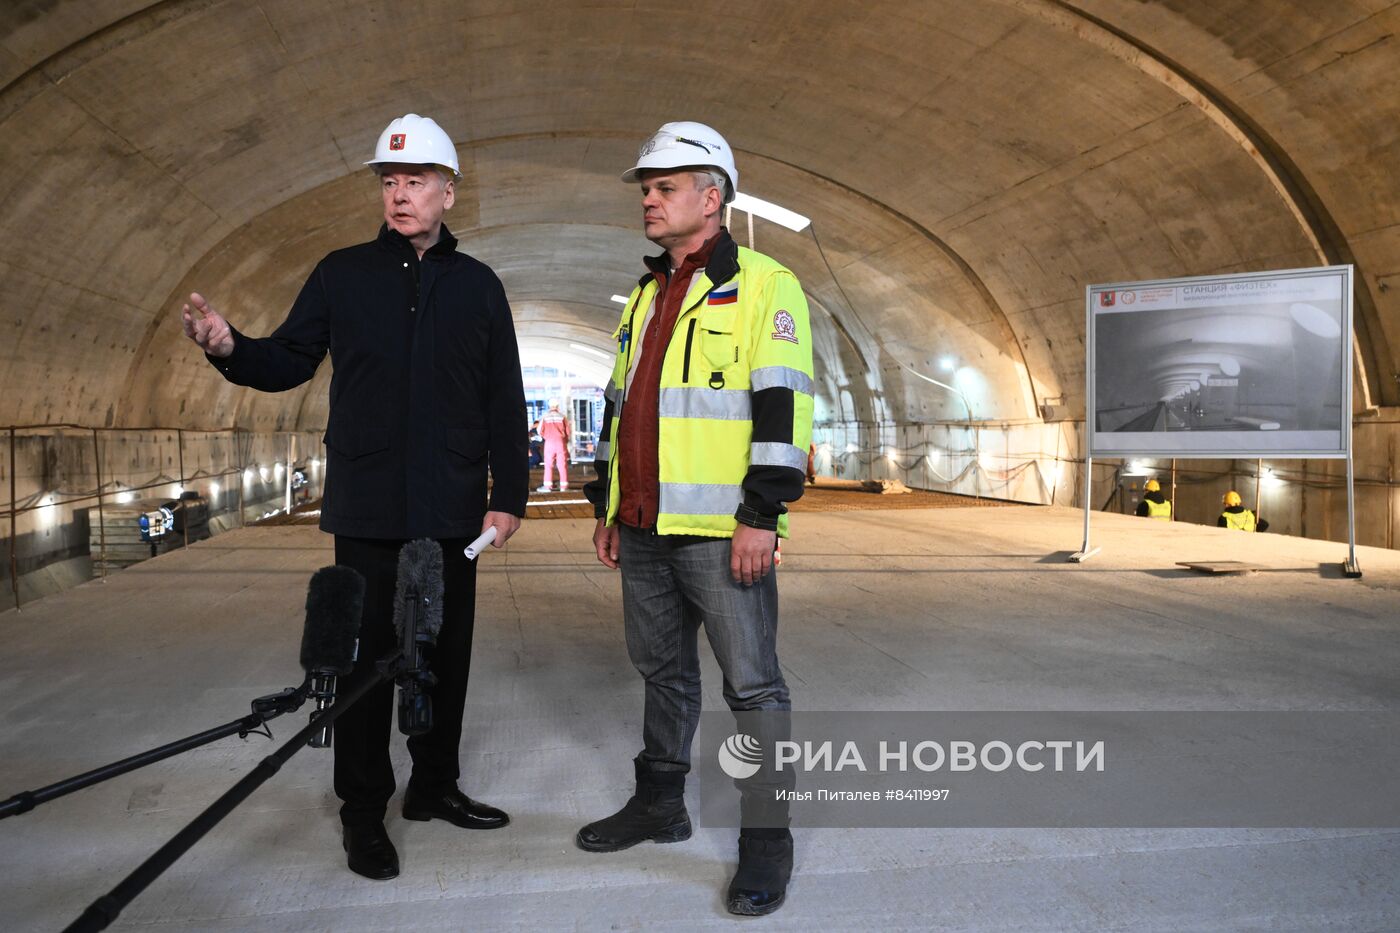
{"x":264,"y":708}
{"x":101,"y":912}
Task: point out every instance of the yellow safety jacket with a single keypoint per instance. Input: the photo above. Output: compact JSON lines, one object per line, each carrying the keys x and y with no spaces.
{"x":735,"y":407}
{"x":1239,"y":521}
{"x":1161,"y":510}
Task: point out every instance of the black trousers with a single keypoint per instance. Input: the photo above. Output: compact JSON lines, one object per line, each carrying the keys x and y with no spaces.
{"x":364,"y":776}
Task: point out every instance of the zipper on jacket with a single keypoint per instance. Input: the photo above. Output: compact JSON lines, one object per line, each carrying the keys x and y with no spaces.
{"x":621,"y":397}
{"x":689,"y":339}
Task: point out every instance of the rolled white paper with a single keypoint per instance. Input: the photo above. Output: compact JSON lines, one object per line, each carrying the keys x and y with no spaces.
{"x":480,"y":544}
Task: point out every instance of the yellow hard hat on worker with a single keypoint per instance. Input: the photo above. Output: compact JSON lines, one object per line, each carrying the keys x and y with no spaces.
{"x":1232,"y":499}
{"x":1153,"y":486}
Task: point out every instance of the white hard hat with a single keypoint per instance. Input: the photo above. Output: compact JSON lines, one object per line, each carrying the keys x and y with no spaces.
{"x":554,"y":403}
{"x":677,"y":145}
{"x":415,"y":140}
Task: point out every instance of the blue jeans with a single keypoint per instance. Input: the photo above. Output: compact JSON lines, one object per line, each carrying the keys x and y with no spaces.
{"x":671,"y":586}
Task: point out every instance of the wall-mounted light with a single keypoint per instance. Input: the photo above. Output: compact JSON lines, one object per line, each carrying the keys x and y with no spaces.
{"x":124,"y":497}
{"x":262,"y":473}
{"x":948,"y":363}
{"x":179,"y":491}
{"x":277,"y":469}
{"x":213,"y":489}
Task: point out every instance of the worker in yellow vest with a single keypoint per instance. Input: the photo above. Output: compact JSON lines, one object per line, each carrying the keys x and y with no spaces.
{"x":1154,"y":504}
{"x":705,"y":435}
{"x":1238,"y":517}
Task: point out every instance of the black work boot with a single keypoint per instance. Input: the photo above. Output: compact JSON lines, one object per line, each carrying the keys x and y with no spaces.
{"x":765,"y":867}
{"x":656,"y":812}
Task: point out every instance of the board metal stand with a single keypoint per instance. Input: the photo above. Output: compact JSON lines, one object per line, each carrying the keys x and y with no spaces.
{"x":1085,"y":551}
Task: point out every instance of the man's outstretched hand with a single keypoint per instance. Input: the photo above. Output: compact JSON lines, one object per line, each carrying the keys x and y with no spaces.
{"x":206,"y":327}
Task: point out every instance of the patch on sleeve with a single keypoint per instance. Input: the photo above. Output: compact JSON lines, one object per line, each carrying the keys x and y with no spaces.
{"x":784,"y":327}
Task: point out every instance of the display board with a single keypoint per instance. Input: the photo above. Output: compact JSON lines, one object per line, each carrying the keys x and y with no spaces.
{"x":1249,"y":365}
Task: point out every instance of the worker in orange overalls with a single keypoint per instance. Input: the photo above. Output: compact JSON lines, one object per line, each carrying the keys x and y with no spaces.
{"x":556,"y":432}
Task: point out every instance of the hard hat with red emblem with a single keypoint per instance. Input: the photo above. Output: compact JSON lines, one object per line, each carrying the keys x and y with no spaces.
{"x":415,"y":140}
{"x":686,"y":145}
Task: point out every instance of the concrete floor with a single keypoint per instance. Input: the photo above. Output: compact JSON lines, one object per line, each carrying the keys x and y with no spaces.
{"x":946,"y":609}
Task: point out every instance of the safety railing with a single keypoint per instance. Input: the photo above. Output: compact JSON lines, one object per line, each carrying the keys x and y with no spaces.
{"x":239,"y":461}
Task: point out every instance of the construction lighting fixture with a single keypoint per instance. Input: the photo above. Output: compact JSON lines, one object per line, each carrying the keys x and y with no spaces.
{"x":620,"y":299}
{"x":248,"y":475}
{"x":213,"y":489}
{"x":179,"y":491}
{"x":770,"y":211}
{"x":948,"y":364}
{"x":124,"y":497}
{"x":277,"y":469}
{"x":591,"y":350}
{"x":262,"y":473}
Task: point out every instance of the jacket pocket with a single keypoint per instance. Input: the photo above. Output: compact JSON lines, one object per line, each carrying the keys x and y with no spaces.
{"x":460,"y":495}
{"x":717,"y":340}
{"x":352,"y":443}
{"x":469,"y":443}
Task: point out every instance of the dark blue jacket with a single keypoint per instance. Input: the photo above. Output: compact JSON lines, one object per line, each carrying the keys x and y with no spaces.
{"x":426,"y":389}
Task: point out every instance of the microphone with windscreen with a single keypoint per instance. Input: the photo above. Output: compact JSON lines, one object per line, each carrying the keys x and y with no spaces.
{"x":330,"y":641}
{"x":417,"y":620}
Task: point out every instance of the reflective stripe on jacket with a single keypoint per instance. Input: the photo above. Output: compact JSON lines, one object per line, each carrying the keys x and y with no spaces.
{"x":735,"y":405}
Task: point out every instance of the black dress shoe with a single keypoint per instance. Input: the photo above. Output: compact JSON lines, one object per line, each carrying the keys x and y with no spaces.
{"x":760,"y":885}
{"x":455,"y":807}
{"x":371,"y":853}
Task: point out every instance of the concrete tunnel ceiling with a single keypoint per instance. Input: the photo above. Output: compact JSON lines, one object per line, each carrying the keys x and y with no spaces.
{"x":970,"y":165}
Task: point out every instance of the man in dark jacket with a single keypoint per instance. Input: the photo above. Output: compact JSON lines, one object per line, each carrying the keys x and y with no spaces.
{"x":426,"y":393}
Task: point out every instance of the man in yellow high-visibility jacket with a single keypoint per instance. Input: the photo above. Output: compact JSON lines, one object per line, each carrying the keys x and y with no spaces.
{"x":1154,"y":504}
{"x":1237,"y":517}
{"x":704,"y":439}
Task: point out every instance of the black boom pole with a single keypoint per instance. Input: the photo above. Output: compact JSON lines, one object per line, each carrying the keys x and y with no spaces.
{"x":264,"y":708}
{"x":101,"y":912}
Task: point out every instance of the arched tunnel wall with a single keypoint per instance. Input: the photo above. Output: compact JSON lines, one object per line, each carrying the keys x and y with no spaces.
{"x":969,"y":167}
